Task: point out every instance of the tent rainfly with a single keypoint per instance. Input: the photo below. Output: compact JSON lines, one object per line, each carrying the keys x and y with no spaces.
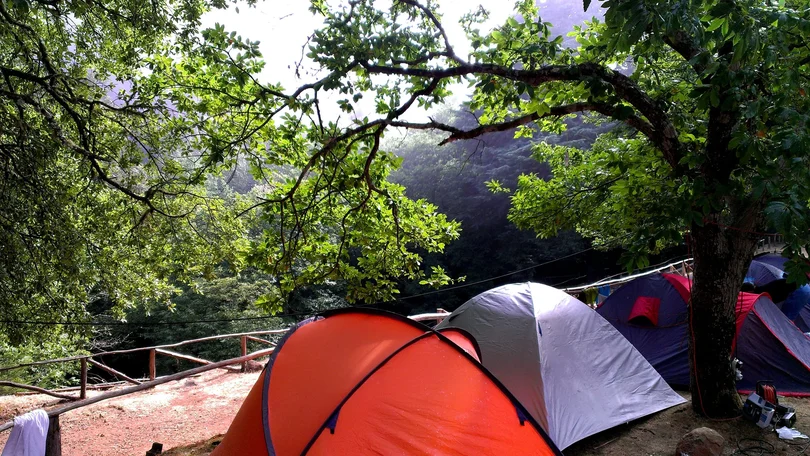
{"x":363,"y":382}
{"x":770,"y":346}
{"x":572,"y":370}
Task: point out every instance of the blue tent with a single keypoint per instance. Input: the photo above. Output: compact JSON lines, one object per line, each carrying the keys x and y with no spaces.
{"x":652,"y":313}
{"x":773,"y":259}
{"x":761,"y":273}
{"x":767,"y":276}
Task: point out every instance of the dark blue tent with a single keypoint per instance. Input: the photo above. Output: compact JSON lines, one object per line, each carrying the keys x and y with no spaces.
{"x":773,"y":259}
{"x":651,"y":312}
{"x":802,"y":321}
{"x":761,"y":273}
{"x":664,"y":343}
{"x":767,"y":276}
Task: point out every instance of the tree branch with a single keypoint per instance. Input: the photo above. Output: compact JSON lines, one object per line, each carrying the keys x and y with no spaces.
{"x":682,"y":43}
{"x":457,"y":134}
{"x":663,"y":133}
{"x":449,"y":52}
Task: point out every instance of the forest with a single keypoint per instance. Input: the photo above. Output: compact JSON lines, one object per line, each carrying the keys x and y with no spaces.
{"x":157,"y":185}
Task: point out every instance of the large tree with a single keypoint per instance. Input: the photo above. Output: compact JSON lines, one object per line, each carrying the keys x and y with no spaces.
{"x":710,"y":145}
{"x":121,"y":123}
{"x":115,"y":115}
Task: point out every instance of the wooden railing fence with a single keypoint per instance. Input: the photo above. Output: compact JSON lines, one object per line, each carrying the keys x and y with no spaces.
{"x":94,"y":360}
{"x":153,"y":380}
{"x":769,"y":244}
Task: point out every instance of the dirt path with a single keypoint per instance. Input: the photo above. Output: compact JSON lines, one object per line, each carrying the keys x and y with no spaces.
{"x":174,"y":414}
{"x":189,"y":417}
{"x":656,"y":435}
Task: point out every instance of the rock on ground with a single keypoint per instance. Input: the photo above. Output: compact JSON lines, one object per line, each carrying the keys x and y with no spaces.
{"x":702,"y":441}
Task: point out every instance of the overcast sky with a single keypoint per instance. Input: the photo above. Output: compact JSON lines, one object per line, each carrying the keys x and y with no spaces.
{"x":282,"y":27}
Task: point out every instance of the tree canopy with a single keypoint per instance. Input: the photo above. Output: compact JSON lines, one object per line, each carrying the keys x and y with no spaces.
{"x":120,"y":122}
{"x":121,"y":125}
{"x":712,"y":103}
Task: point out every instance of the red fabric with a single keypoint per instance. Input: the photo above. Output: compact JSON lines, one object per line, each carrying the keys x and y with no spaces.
{"x":682,"y":284}
{"x":392,"y":389}
{"x":429,"y":400}
{"x":645,"y":307}
{"x":246,"y":433}
{"x":745,"y":302}
{"x":781,"y":393}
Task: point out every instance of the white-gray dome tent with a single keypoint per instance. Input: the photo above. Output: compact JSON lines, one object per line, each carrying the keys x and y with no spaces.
{"x":568,"y":366}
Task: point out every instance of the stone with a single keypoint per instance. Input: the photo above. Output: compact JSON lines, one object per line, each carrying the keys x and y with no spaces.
{"x":700,"y":442}
{"x":254,"y":366}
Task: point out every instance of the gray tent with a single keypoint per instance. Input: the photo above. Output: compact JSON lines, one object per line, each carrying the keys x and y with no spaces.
{"x":568,"y":366}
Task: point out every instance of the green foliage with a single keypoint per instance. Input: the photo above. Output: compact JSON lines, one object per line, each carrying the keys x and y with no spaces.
{"x":99,"y":196}
{"x":58,"y":345}
{"x":616,"y":191}
{"x":497,"y":187}
{"x":714,"y":108}
{"x":119,"y":122}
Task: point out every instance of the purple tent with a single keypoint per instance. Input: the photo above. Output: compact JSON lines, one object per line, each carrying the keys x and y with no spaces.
{"x":651,"y":312}
{"x":794,"y":302}
{"x":772,"y":259}
{"x":761,"y":273}
{"x":665,"y":344}
{"x":803,"y":320}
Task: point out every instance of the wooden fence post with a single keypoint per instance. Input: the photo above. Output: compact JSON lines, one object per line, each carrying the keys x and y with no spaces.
{"x":83,"y":390}
{"x":244,"y":352}
{"x":152,"y":370}
{"x":53,"y":441}
{"x":440,"y":319}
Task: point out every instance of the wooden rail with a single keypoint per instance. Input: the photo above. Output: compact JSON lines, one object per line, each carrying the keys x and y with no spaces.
{"x":256,"y":339}
{"x":190,"y":341}
{"x":150,"y":384}
{"x":96,"y":386}
{"x":89,"y":360}
{"x":37,"y":389}
{"x":39,"y":363}
{"x":112,"y":371}
{"x":437,"y":316}
{"x":154,"y":380}
{"x":193,"y":359}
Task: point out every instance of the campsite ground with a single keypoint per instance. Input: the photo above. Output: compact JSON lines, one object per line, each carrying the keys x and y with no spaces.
{"x":174,"y":414}
{"x":191,"y":415}
{"x":658,"y":435}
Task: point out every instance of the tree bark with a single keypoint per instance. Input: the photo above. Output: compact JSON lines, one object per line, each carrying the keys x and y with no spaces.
{"x":722,"y":256}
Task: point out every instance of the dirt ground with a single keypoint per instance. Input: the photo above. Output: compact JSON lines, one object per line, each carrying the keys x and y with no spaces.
{"x":656,"y":435}
{"x":174,"y":414}
{"x":190,"y":416}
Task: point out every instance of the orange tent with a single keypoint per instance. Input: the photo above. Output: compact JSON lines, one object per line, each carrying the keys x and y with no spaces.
{"x":354,"y":382}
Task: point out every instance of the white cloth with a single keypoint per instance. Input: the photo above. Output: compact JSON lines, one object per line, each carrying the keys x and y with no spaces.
{"x":786,"y":433}
{"x":28,"y":435}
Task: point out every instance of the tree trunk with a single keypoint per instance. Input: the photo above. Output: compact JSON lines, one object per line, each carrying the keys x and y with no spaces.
{"x":722,"y":256}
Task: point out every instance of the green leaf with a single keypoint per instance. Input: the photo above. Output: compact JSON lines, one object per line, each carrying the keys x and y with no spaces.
{"x":716,"y":24}
{"x":714,"y":98}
